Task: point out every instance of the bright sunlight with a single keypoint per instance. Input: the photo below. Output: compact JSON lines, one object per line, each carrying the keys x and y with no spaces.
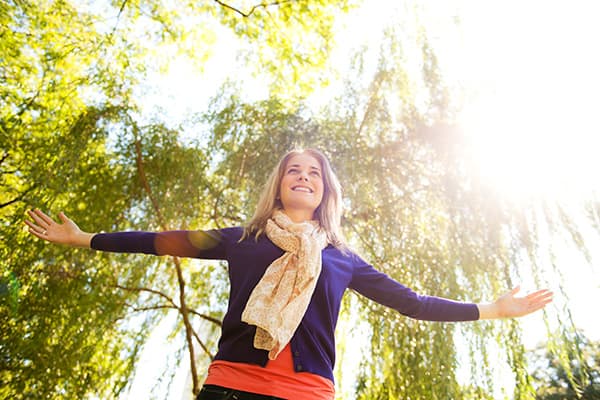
{"x":532,"y":76}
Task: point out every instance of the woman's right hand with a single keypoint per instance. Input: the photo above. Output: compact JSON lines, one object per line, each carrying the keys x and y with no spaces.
{"x":47,"y":229}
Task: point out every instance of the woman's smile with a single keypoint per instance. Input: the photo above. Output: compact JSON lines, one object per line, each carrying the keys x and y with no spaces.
{"x":301,"y":188}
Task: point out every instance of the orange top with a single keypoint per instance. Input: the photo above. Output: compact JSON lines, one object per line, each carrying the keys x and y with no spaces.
{"x":277,"y":378}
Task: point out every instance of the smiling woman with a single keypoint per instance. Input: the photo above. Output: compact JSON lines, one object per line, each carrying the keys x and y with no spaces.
{"x":288,"y":269}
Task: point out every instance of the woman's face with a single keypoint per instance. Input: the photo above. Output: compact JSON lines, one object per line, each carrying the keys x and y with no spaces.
{"x":301,"y":188}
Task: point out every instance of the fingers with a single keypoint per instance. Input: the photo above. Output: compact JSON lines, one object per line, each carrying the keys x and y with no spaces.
{"x":44,"y":217}
{"x":33,"y":228}
{"x":518,"y":306}
{"x":40,"y":218}
{"x":537,"y":300}
{"x":539,"y":293}
{"x":41,"y":235}
{"x":37,"y":230}
{"x":534,"y":308}
{"x":543,"y":296}
{"x":63,"y":217}
{"x":40,"y":225}
{"x":539,"y":303}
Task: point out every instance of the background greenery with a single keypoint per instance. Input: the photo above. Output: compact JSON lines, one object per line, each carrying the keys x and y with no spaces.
{"x":76,"y":135}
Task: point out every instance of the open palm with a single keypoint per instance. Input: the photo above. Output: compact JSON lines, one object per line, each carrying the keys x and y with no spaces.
{"x":510,"y":306}
{"x":46,"y":228}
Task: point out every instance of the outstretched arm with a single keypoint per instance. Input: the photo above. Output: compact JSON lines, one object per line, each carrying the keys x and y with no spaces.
{"x":198,"y":244}
{"x":510,"y":306}
{"x":47,"y":229}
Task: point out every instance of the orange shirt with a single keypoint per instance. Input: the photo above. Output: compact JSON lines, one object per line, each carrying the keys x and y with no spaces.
{"x":277,"y":378}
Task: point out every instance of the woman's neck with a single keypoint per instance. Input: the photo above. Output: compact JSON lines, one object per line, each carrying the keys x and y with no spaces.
{"x":298,"y":215}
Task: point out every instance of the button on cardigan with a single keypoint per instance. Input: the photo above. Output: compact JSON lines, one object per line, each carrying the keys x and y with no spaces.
{"x":313,"y":343}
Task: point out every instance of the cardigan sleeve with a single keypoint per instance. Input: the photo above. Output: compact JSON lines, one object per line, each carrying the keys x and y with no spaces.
{"x":379,"y":287}
{"x":210,"y":244}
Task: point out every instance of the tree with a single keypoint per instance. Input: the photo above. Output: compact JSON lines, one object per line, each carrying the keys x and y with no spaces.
{"x":53,"y":148}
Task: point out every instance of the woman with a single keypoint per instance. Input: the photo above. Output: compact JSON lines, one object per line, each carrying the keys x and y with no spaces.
{"x":288,"y":268}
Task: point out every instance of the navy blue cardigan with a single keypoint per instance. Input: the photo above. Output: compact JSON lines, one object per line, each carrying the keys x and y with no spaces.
{"x":313,"y":343}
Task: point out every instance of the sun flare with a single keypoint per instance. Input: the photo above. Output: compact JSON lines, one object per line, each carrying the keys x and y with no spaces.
{"x":531,"y":120}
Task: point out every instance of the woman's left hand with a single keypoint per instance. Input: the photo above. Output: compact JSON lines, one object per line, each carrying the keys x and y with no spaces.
{"x":510,"y":306}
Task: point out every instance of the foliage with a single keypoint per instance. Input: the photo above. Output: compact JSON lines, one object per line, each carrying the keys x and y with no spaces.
{"x":59,"y":333}
{"x":286,"y":42}
{"x":581,"y":381}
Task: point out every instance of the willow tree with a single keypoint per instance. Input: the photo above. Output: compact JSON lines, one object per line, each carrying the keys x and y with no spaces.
{"x":433,"y":222}
{"x":421,"y":211}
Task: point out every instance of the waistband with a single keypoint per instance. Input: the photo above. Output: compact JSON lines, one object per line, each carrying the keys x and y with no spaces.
{"x":215,"y":392}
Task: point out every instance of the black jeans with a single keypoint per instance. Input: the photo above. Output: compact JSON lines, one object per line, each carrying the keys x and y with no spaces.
{"x":214,"y":392}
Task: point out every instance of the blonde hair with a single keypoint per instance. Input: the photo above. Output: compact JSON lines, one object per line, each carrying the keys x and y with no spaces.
{"x":328,"y":213}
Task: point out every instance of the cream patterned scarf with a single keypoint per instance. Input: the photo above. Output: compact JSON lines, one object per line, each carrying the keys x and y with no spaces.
{"x":280,"y":299}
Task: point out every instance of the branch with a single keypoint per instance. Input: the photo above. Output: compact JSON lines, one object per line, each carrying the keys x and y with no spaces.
{"x":183,"y":310}
{"x":214,"y":211}
{"x":249,"y":13}
{"x":201,"y":343}
{"x":18,"y":198}
{"x":151,"y":308}
{"x":365,"y":241}
{"x":206,"y":317}
{"x":8,"y":203}
{"x":144,"y":289}
{"x":121,"y":9}
{"x":28,"y":103}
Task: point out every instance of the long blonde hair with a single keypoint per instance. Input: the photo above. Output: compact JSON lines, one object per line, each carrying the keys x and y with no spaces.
{"x":328,"y":213}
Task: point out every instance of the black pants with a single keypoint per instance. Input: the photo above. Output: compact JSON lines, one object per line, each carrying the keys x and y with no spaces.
{"x":214,"y":392}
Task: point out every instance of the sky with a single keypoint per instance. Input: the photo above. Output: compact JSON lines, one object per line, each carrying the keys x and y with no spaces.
{"x":529,"y":73}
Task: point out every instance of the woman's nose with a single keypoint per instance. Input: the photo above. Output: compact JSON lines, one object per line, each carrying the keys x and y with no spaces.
{"x":303,"y":176}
